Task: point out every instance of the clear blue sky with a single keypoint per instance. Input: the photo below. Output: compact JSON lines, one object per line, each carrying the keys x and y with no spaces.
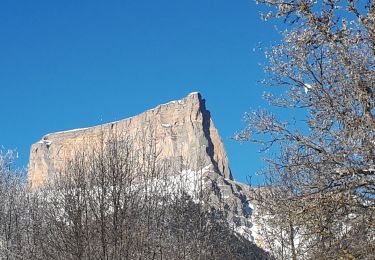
{"x":71,"y":64}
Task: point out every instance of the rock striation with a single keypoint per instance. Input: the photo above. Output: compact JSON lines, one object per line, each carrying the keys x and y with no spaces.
{"x":183,"y":129}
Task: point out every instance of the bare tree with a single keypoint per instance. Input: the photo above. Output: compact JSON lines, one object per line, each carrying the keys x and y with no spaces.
{"x":15,"y":224}
{"x":324,"y":176}
{"x":117,"y":199}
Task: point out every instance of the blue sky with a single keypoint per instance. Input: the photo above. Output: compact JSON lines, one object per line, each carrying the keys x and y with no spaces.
{"x":71,"y":64}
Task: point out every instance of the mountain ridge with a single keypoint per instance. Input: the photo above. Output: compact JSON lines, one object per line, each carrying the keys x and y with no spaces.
{"x":183,"y":130}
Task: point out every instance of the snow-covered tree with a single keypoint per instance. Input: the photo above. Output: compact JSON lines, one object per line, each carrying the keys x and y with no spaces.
{"x":322,"y":182}
{"x":15,"y":228}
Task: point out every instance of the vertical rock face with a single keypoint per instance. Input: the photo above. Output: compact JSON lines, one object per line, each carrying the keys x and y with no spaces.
{"x":183,"y":129}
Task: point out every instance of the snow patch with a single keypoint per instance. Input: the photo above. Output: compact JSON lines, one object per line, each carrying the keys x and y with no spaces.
{"x":245,"y":232}
{"x":45,"y":142}
{"x":64,"y":132}
{"x":307,"y":87}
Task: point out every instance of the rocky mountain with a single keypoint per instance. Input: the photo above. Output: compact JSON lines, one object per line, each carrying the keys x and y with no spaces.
{"x":183,"y":130}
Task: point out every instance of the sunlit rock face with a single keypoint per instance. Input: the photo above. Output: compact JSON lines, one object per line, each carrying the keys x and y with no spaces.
{"x":182,"y":130}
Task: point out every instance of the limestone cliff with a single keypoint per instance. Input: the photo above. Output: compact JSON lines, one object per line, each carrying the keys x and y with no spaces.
{"x":183,"y":129}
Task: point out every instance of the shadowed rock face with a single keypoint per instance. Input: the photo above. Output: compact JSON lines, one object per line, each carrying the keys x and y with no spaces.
{"x":183,"y":129}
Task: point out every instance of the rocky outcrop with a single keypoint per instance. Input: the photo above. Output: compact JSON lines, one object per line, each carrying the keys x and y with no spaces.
{"x":183,"y":129}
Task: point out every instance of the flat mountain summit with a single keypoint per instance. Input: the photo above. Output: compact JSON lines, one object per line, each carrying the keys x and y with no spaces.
{"x":182,"y":130}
